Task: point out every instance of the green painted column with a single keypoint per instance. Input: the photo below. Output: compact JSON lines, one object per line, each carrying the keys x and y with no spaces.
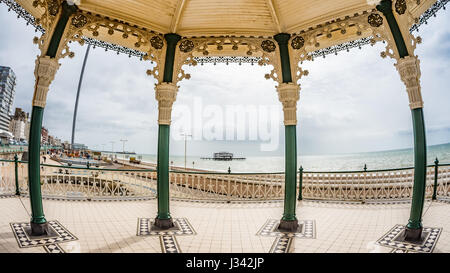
{"x":163,"y":219}
{"x":38,"y":220}
{"x":289,"y":221}
{"x":163,"y":172}
{"x":290,"y":173}
{"x":420,"y":170}
{"x":413,"y":230}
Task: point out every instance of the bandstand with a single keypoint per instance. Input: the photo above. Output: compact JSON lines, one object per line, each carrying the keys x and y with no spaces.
{"x":281,"y":35}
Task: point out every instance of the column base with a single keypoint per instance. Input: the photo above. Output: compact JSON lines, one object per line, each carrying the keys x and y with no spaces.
{"x":164,"y":223}
{"x":39,"y":229}
{"x":290,"y":226}
{"x":413,"y":234}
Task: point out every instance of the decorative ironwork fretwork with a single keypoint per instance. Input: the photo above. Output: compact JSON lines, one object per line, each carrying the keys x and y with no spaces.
{"x":119,"y":49}
{"x":21,"y":12}
{"x":156,"y":42}
{"x":440,"y":4}
{"x":316,"y":38}
{"x":227,"y":60}
{"x":268,"y":46}
{"x":400,"y":6}
{"x":53,"y":7}
{"x":341,"y":47}
{"x":297,"y":42}
{"x":79,"y":20}
{"x":186,"y":46}
{"x":250,"y":45}
{"x":375,"y":20}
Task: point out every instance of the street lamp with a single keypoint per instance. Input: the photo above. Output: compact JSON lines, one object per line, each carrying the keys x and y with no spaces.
{"x":75,"y":110}
{"x":123,"y":149}
{"x":185,"y":144}
{"x":112,"y":151}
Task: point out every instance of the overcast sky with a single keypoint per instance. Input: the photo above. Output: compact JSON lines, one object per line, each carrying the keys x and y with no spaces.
{"x":352,"y":102}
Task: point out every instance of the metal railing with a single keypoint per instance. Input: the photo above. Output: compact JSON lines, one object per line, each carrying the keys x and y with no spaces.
{"x":116,"y":184}
{"x":374,"y":184}
{"x":79,"y":182}
{"x":225,"y":186}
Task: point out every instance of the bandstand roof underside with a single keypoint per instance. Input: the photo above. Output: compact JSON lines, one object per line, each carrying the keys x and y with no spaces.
{"x":242,"y":18}
{"x":191,"y":18}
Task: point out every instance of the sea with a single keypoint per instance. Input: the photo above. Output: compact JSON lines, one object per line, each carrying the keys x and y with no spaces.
{"x":390,"y":159}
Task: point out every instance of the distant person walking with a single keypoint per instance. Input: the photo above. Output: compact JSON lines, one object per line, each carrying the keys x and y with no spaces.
{"x":45,"y":158}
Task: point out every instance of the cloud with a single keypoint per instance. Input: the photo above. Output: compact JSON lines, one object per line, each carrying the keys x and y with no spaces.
{"x":351,"y":102}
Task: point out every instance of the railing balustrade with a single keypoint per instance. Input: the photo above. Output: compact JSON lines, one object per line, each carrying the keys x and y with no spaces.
{"x":72,"y":182}
{"x":363,"y":185}
{"x":224,"y":186}
{"x":443,"y":183}
{"x":7,"y":177}
{"x":91,"y":184}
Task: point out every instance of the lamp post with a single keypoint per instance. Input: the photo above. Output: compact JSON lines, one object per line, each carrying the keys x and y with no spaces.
{"x":185,"y":144}
{"x":123,"y":149}
{"x":75,"y":110}
{"x":112,"y":151}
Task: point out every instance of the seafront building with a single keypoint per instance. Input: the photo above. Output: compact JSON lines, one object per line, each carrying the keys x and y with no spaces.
{"x":20,"y":125}
{"x":292,"y":211}
{"x":54,"y":141}
{"x":7,"y":93}
{"x":44,"y":135}
{"x":79,"y":146}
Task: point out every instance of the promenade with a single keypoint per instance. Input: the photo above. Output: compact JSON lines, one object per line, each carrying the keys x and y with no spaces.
{"x":220,"y":227}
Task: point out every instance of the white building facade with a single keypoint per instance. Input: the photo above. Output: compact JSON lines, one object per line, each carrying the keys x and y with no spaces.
{"x":7,"y":93}
{"x":20,"y":125}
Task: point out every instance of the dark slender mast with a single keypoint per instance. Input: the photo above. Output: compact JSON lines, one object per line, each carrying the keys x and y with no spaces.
{"x":78,"y":95}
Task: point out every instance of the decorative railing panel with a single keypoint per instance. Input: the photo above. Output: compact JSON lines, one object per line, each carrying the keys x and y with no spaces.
{"x":443,"y":185}
{"x":361,"y":186}
{"x":91,"y":184}
{"x":7,"y":178}
{"x":227,"y":186}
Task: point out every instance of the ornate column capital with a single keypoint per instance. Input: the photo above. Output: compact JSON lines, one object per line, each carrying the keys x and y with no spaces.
{"x":289,"y":94}
{"x":409,"y":70}
{"x":165,"y":94}
{"x":44,"y":71}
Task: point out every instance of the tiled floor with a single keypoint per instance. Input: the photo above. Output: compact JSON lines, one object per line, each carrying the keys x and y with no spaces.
{"x":220,"y":227}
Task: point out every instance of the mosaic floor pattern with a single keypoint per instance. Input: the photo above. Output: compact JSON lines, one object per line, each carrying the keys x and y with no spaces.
{"x":393,"y":239}
{"x":169,"y":244}
{"x":182,"y":227}
{"x":58,"y":234}
{"x":54,"y":248}
{"x":282,"y":244}
{"x":307,"y":229}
